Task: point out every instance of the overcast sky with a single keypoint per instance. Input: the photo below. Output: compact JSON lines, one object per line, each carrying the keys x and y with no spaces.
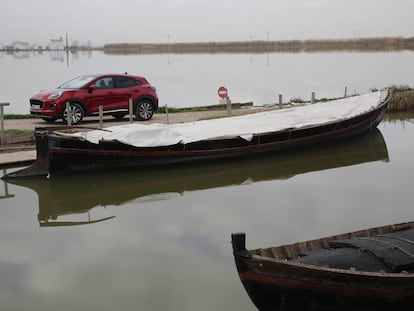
{"x":110,"y":21}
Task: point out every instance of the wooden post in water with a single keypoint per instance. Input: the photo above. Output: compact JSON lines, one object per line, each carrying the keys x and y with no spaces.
{"x":130,"y":110}
{"x":100,"y":117}
{"x":68,"y":114}
{"x":313,"y":98}
{"x":2,"y":122}
{"x":280,"y":101}
{"x":6,"y":187}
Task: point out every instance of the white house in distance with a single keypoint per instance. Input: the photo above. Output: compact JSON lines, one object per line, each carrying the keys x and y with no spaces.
{"x":56,"y":44}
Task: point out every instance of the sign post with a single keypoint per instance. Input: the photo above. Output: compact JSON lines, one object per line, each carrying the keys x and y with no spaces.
{"x":223,"y":94}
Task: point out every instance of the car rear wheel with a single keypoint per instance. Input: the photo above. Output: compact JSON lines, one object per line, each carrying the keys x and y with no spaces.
{"x":144,"y":110}
{"x":77,"y":114}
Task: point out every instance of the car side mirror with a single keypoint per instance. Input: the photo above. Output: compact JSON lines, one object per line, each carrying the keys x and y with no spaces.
{"x":91,"y":88}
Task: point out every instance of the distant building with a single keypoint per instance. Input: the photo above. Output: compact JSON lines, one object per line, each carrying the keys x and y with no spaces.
{"x":19,"y":45}
{"x":56,"y":44}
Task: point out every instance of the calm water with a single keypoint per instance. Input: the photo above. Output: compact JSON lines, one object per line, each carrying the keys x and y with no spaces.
{"x":193,"y":80}
{"x":160,"y":239}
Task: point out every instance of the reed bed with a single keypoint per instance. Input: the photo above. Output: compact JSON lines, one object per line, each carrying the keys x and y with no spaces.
{"x":263,"y":46}
{"x":402,"y":99}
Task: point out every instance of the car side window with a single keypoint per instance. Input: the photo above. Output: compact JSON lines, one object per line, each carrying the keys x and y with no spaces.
{"x":121,"y":82}
{"x":104,"y":83}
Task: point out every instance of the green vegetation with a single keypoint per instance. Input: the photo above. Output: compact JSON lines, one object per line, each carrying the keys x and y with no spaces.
{"x":195,"y":109}
{"x":170,"y":110}
{"x":177,"y":110}
{"x":395,"y":88}
{"x":298,"y":100}
{"x":203,"y":108}
{"x":322,"y":100}
{"x":18,"y":133}
{"x":212,"y":118}
{"x":400,"y":88}
{"x":18,"y":116}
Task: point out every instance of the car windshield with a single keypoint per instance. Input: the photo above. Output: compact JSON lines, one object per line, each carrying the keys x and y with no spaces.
{"x":77,"y":83}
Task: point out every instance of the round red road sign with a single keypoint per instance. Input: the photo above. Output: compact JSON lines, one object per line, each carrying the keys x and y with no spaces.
{"x":222,"y":92}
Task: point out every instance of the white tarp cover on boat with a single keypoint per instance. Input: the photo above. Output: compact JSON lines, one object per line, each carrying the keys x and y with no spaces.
{"x":245,"y":126}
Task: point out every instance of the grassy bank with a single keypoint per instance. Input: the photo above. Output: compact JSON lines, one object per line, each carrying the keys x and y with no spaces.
{"x":264,"y":46}
{"x":18,"y":133}
{"x":203,"y":108}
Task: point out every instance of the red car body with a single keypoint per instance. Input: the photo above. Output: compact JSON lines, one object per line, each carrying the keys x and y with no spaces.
{"x":85,"y":94}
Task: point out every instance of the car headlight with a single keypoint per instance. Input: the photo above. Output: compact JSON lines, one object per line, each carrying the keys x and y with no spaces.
{"x":55,"y":95}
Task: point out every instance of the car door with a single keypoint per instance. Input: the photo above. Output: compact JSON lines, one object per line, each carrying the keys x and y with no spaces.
{"x":104,"y":94}
{"x":125,"y":88}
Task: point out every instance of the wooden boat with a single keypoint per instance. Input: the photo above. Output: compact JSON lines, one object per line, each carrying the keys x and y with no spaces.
{"x":145,"y":145}
{"x":59,"y":197}
{"x":370,"y":269}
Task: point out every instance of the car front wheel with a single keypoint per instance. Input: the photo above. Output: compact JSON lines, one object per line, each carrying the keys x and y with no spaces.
{"x":144,"y":110}
{"x":76,"y":112}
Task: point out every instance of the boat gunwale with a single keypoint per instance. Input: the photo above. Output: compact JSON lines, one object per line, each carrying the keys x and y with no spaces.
{"x":317,"y":269}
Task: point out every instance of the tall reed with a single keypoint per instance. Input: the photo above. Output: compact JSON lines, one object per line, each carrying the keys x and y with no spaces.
{"x":402,"y":99}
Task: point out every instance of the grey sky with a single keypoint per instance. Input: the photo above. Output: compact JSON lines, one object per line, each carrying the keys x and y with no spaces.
{"x":103,"y":21}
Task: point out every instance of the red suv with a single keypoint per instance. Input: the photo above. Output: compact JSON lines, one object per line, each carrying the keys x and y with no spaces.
{"x":85,"y":94}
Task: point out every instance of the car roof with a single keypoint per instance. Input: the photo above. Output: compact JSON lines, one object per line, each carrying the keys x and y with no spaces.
{"x":115,"y":74}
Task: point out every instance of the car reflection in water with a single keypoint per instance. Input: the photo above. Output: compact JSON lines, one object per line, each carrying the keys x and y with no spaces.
{"x":78,"y":194}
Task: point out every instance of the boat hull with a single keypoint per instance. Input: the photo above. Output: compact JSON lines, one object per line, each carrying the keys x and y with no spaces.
{"x":283,"y":288}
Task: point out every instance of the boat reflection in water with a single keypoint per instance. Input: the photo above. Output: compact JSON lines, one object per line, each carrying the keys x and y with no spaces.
{"x":77,"y":194}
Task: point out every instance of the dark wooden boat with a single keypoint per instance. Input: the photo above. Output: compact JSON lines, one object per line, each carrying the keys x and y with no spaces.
{"x":59,"y":197}
{"x":370,"y":269}
{"x":206,"y":140}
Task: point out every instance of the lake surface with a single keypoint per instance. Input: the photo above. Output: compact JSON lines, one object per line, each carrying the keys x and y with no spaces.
{"x":185,"y":80}
{"x":159,"y":239}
